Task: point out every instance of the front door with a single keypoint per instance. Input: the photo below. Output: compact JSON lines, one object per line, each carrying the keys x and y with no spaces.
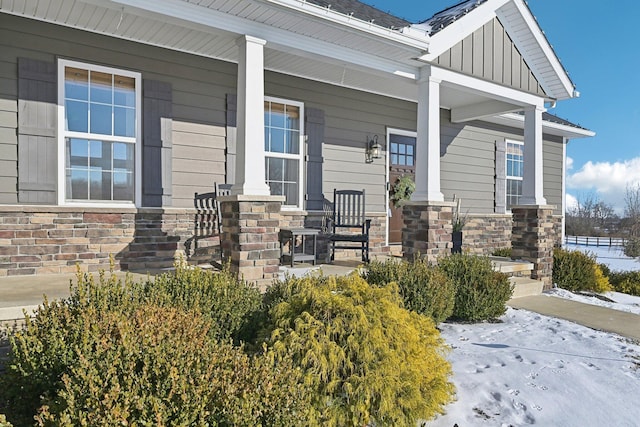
{"x":402,"y":155}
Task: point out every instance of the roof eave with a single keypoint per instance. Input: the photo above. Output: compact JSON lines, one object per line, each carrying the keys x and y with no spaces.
{"x":558,"y":129}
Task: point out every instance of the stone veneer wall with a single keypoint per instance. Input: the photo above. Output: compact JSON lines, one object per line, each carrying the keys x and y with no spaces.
{"x":533,"y":239}
{"x":51,"y":239}
{"x":427,"y":229}
{"x":250,"y":226}
{"x":483,"y":233}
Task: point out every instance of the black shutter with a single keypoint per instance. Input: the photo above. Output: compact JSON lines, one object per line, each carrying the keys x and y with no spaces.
{"x":314,"y":127}
{"x":37,"y":145}
{"x":156,"y":143}
{"x":232,"y":111}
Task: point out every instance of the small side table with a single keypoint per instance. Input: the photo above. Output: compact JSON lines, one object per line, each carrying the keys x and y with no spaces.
{"x":290,"y":235}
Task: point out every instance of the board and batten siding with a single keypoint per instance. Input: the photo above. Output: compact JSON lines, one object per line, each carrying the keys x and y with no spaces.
{"x":199,"y":86}
{"x":489,"y":53}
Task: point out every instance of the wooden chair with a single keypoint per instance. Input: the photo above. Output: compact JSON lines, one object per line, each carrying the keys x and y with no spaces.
{"x":348,"y":227}
{"x":207,"y":221}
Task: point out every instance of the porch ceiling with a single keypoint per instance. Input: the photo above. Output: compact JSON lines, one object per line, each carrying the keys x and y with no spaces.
{"x":307,"y":41}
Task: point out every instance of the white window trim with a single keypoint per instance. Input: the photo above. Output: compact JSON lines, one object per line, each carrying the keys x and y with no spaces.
{"x":299,"y":156}
{"x":506,"y":169}
{"x":62,"y":134}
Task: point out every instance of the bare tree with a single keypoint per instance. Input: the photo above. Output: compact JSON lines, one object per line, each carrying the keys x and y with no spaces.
{"x":590,"y":217}
{"x":632,"y":209}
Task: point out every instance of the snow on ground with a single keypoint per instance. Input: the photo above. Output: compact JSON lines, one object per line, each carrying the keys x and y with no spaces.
{"x":611,"y":256}
{"x":537,"y":370}
{"x":533,"y":369}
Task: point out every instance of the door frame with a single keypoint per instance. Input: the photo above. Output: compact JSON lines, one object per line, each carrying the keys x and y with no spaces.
{"x":401,"y":132}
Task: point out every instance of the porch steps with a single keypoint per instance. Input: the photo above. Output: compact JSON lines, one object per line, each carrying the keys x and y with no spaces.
{"x":519,"y":273}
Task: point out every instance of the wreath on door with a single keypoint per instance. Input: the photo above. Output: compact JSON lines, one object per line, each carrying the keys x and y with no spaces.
{"x":401,"y":190}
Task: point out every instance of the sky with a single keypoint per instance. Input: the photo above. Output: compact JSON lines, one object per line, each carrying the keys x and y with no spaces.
{"x":597,"y":42}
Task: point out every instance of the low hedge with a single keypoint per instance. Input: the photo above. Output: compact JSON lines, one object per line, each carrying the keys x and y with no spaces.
{"x":578,"y":271}
{"x":480,"y":292}
{"x":424,"y":288}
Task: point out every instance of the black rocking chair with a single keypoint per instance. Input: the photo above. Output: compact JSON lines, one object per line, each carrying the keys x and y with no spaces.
{"x":348,"y":228}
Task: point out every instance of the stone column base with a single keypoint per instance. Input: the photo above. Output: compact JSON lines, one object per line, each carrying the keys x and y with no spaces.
{"x":250,"y":227}
{"x":532,"y":239}
{"x":427,"y":229}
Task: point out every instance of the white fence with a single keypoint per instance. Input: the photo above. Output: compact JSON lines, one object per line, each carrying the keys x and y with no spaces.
{"x":594,"y":241}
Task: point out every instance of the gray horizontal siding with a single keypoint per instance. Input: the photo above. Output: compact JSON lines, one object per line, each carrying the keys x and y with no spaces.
{"x":350,"y":117}
{"x":553,"y":161}
{"x":8,"y":125}
{"x":199,"y":88}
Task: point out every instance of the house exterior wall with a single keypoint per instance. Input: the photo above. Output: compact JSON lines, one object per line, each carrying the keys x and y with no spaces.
{"x":199,"y":139}
{"x":489,"y":53}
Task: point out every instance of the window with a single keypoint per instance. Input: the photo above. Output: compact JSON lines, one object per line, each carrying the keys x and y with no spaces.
{"x":515,"y":164}
{"x":283,"y":130}
{"x":100,"y":132}
{"x":402,"y":150}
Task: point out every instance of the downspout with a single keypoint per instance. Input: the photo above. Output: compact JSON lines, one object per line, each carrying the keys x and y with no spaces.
{"x":565,"y":141}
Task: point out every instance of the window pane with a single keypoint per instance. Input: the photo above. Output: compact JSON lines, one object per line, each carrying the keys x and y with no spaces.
{"x":402,"y":160}
{"x":277,"y":141}
{"x":123,"y":156}
{"x":402,"y":149}
{"x":124,"y":91}
{"x":124,"y":120}
{"x":291,"y":170}
{"x":293,"y":117}
{"x":76,"y":84}
{"x":100,"y":185}
{"x":293,"y":142}
{"x":277,"y":115}
{"x":122,"y":185}
{"x":101,"y":119}
{"x":276,"y":188}
{"x":394,"y":147}
{"x":409,"y":149}
{"x":101,"y":84}
{"x":394,"y":159}
{"x":77,"y":152}
{"x":290,"y":193}
{"x":100,"y":155}
{"x":275,"y":168}
{"x":77,"y":115}
{"x":409,"y":160}
{"x":79,"y":184}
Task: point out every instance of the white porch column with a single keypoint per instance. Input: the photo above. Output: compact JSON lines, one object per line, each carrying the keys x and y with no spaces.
{"x":428,"y":142}
{"x":532,"y":181}
{"x":250,"y":171}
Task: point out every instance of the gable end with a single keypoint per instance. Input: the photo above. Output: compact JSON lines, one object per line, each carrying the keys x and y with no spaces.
{"x":489,"y":53}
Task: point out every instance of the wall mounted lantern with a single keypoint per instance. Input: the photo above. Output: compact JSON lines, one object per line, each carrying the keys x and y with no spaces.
{"x":373,"y":149}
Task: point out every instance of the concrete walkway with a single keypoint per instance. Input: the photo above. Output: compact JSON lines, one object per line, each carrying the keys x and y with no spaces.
{"x":26,"y":292}
{"x":592,"y":316}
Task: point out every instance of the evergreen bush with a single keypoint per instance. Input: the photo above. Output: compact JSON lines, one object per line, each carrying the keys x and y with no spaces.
{"x":481,"y":293}
{"x":627,"y":282}
{"x":370,"y":361}
{"x":136,"y":354}
{"x":424,"y":288}
{"x":631,"y":247}
{"x":578,"y":271}
{"x":502,"y":252}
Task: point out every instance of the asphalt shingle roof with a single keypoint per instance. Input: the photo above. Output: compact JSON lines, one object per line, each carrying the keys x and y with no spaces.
{"x":548,"y":117}
{"x":446,"y":17}
{"x":363,"y":12}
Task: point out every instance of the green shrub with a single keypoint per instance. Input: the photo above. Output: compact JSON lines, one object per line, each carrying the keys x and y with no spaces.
{"x":481,"y":292}
{"x":370,"y":361}
{"x":627,"y":282}
{"x":578,"y":271}
{"x":502,"y":252}
{"x":424,"y":287}
{"x":631,"y":247}
{"x":74,"y":351}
